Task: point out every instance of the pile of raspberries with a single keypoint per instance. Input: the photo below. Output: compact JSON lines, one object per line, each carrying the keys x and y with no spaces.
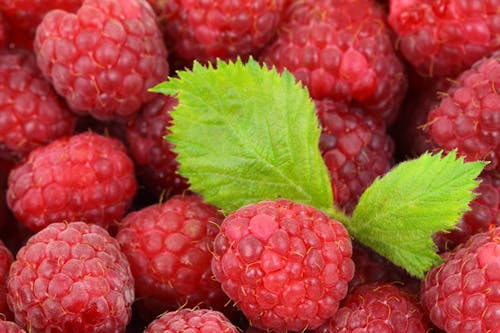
{"x":100,"y":233}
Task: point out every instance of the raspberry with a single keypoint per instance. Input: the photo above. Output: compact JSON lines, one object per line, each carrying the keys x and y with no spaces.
{"x":285,"y":265}
{"x":10,"y":327}
{"x":71,"y":277}
{"x":169,"y":248}
{"x":378,"y":307}
{"x":341,"y":50}
{"x":31,"y":113}
{"x":104,"y":58}
{"x":468,"y":118}
{"x":484,"y":214}
{"x":152,"y":154}
{"x":356,"y":149}
{"x":206,"y":30}
{"x":6,"y":260}
{"x":85,"y":177}
{"x":192,"y":321}
{"x":443,"y":38}
{"x":462,"y":293}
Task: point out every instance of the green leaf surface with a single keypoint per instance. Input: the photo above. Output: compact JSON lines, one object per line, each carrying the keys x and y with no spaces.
{"x":397,"y":215}
{"x":244,"y":133}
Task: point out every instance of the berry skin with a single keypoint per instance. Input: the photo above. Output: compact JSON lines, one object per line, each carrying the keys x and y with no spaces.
{"x":31,"y":113}
{"x":71,"y":277}
{"x":10,"y":327}
{"x":6,"y":260}
{"x":206,"y":30}
{"x":192,"y":321}
{"x":443,"y":38}
{"x":484,"y":214}
{"x":104,"y":58}
{"x":86,"y":177}
{"x":468,"y":118}
{"x":155,"y":161}
{"x":462,"y":294}
{"x":355,"y":147}
{"x":169,"y":247}
{"x":285,"y":265}
{"x":341,"y":50}
{"x":378,"y":307}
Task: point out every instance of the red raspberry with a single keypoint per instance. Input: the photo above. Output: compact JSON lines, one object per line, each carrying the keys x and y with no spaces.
{"x":355,"y":147}
{"x":443,"y":37}
{"x":104,"y":58}
{"x":169,"y":247}
{"x":484,"y":214}
{"x":341,"y":50}
{"x":155,"y":161}
{"x":192,"y":321}
{"x":71,"y":277}
{"x":31,"y":113}
{"x":378,"y":307}
{"x":206,"y":30}
{"x":285,"y":265}
{"x":462,"y":294}
{"x":467,"y":118}
{"x":85,"y":177}
{"x":6,"y":260}
{"x":10,"y":327}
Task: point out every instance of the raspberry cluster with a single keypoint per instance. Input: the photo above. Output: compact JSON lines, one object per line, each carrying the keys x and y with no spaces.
{"x":101,"y":231}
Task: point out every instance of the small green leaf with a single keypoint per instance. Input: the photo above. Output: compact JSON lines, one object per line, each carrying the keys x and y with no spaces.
{"x":397,"y":215}
{"x":244,"y":133}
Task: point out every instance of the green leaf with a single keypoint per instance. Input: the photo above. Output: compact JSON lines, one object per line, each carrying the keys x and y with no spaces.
{"x":397,"y":215}
{"x":244,"y":133}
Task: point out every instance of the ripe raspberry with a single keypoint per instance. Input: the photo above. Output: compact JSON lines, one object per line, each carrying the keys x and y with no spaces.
{"x":192,"y":321}
{"x":484,"y":214}
{"x":169,"y":247}
{"x":462,"y":294}
{"x":442,"y":38}
{"x":85,"y":177}
{"x":71,"y":277}
{"x":285,"y":265}
{"x":468,"y":118}
{"x":27,"y":14}
{"x":341,"y":50}
{"x":31,"y":113}
{"x":6,"y":260}
{"x":355,"y":147}
{"x":378,"y":307}
{"x":152,"y":154}
{"x":104,"y":58}
{"x":10,"y":327}
{"x":206,"y":30}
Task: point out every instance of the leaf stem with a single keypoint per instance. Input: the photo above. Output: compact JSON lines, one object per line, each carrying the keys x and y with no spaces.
{"x":337,"y":214}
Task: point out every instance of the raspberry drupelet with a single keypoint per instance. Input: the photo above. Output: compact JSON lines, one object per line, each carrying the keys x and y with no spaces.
{"x":285,"y":265}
